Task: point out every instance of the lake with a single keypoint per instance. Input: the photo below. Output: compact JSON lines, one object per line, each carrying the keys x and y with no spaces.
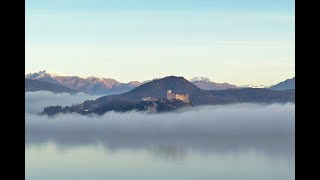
{"x":227,"y":142}
{"x":160,"y":157}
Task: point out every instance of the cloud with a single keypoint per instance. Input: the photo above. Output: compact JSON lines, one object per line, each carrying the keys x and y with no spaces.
{"x":219,"y":128}
{"x":36,"y":101}
{"x":219,"y":119}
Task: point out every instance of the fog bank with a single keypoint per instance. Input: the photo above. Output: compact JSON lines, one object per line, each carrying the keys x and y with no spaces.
{"x":229,"y":119}
{"x":216,"y":119}
{"x":36,"y":101}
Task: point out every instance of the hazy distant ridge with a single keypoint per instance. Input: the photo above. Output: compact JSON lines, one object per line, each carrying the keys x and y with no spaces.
{"x":36,"y":85}
{"x":284,"y":85}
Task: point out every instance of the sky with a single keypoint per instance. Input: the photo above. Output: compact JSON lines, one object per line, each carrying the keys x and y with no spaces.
{"x":239,"y":42}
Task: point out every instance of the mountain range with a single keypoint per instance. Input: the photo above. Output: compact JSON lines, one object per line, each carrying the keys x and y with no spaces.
{"x":158,"y":88}
{"x":107,"y":86}
{"x":90,"y":85}
{"x":36,"y":85}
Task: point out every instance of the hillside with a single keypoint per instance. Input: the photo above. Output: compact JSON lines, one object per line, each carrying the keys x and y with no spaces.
{"x":89,"y":85}
{"x":287,"y":84}
{"x":159,"y":87}
{"x":36,"y":85}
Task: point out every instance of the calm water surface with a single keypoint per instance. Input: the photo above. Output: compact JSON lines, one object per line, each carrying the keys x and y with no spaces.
{"x":59,"y":156}
{"x":229,"y":142}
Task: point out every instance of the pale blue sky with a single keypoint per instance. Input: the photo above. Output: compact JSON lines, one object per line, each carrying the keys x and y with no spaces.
{"x":234,"y":41}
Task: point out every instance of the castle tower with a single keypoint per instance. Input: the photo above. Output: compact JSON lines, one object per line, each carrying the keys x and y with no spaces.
{"x":169,"y":94}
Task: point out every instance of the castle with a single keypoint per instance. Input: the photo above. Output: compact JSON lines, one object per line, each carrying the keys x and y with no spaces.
{"x":170,"y":96}
{"x":182,"y":97}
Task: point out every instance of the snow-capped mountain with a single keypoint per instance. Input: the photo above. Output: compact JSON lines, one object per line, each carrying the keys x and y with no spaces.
{"x":90,"y":85}
{"x":253,"y":86}
{"x":43,"y":76}
{"x":202,"y":79}
{"x":40,"y":74}
{"x":37,"y":75}
{"x":206,"y":84}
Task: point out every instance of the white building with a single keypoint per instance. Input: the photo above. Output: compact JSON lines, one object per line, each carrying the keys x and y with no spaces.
{"x":182,"y":97}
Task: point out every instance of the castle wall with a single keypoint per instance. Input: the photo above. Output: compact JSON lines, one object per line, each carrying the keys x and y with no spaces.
{"x":150,"y":99}
{"x":182,"y":97}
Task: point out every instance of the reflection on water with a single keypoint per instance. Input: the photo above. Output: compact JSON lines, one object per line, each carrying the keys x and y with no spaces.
{"x":168,"y":152}
{"x":53,"y":155}
{"x":231,"y":142}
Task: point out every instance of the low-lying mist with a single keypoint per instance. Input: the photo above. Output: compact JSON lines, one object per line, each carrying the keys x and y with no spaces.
{"x":219,"y":119}
{"x":36,"y":101}
{"x":220,"y":128}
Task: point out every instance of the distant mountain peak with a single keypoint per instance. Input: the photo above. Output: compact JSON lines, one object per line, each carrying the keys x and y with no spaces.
{"x":284,"y":85}
{"x":206,"y":84}
{"x":159,"y":87}
{"x":203,"y":79}
{"x":95,"y":78}
{"x":253,"y":86}
{"x":172,"y":77}
{"x":91,"y":84}
{"x":37,"y":75}
{"x":146,"y":81}
{"x":135,"y":83}
{"x":40,"y":74}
